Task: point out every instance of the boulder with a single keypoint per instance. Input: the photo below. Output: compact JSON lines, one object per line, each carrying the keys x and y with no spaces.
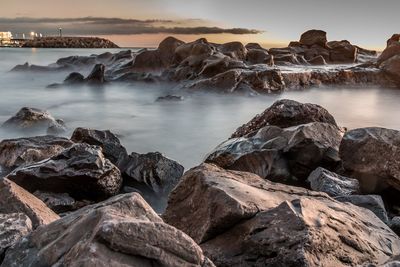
{"x":167,"y":49}
{"x":235,"y":50}
{"x":395,"y":224}
{"x":96,"y":76}
{"x":82,"y":171}
{"x":286,"y":113}
{"x":13,"y":227}
{"x":15,"y":199}
{"x":24,"y":151}
{"x":169,"y":98}
{"x":259,"y":56}
{"x":286,"y":59}
{"x":57,"y":202}
{"x":122,"y":231}
{"x":282,"y":155}
{"x":315,"y":51}
{"x":318,"y":60}
{"x":390,"y":51}
{"x":372,"y":155}
{"x":314,"y":37}
{"x":372,"y":202}
{"x":32,"y":120}
{"x":342,"y":52}
{"x":332,"y":184}
{"x":256,"y":46}
{"x":392,"y":67}
{"x":394,"y":39}
{"x":109,"y":142}
{"x":239,"y":219}
{"x":74,"y":78}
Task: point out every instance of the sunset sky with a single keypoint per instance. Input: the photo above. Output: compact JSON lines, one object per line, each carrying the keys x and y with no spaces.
{"x":144,"y":23}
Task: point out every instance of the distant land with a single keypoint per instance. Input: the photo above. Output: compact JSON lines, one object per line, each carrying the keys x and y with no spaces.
{"x":68,"y":42}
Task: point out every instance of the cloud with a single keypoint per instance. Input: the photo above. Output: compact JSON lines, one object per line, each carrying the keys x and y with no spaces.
{"x":119,"y":26}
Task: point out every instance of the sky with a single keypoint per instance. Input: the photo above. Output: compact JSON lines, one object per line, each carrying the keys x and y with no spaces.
{"x":368,"y":23}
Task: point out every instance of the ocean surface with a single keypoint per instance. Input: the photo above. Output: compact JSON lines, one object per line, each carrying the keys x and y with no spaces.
{"x":185,"y":131}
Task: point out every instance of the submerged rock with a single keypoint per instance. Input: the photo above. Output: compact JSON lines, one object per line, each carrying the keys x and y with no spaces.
{"x":82,"y":171}
{"x":122,"y":231}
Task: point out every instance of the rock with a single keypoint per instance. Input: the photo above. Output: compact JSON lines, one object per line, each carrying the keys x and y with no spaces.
{"x":209,"y":200}
{"x":154,"y":175}
{"x":286,"y":113}
{"x":332,"y":184}
{"x":122,"y":231}
{"x":315,"y":51}
{"x":167,"y":49}
{"x":394,"y":39}
{"x":69,"y":42}
{"x":372,"y":155}
{"x":392,"y":67}
{"x":58,"y":203}
{"x":390,"y":51}
{"x":74,"y":78}
{"x":24,"y":151}
{"x":255,"y":46}
{"x":14,"y":199}
{"x":259,"y":56}
{"x":170,"y":98}
{"x":109,"y":142}
{"x":13,"y":227}
{"x":32,"y":120}
{"x":395,"y":225}
{"x":281,"y":155}
{"x":342,"y":52}
{"x":286,"y":59}
{"x":314,"y":37}
{"x":82,"y":171}
{"x":235,"y":50}
{"x":372,"y":202}
{"x":318,"y":60}
{"x":213,"y":67}
{"x":96,"y":76}
{"x":240,"y":219}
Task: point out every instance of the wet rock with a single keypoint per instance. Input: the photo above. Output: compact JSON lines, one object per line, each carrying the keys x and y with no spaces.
{"x":23,"y":151}
{"x":333,"y":184}
{"x":32,"y":120}
{"x":286,"y":113}
{"x":170,"y":98}
{"x":235,"y":50}
{"x":259,"y":56}
{"x":15,"y":199}
{"x":318,"y":60}
{"x":392,"y":50}
{"x":58,"y":203}
{"x":342,"y":52}
{"x":315,"y":51}
{"x":82,"y":171}
{"x":256,"y":46}
{"x":392,"y":67}
{"x":395,"y":224}
{"x":242,"y":220}
{"x":286,"y":59}
{"x":167,"y":49}
{"x":96,"y":76}
{"x":74,"y":78}
{"x":314,"y":37}
{"x":13,"y":227}
{"x":122,"y":231}
{"x":109,"y":142}
{"x":216,"y":66}
{"x":372,"y":155}
{"x":282,"y":155}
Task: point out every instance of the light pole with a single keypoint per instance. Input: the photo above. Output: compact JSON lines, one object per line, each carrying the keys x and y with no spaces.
{"x":60,"y":30}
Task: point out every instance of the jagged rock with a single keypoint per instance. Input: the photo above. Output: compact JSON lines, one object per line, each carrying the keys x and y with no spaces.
{"x":392,"y":50}
{"x":23,"y":151}
{"x":13,"y":227}
{"x":395,"y":225}
{"x":32,"y":120}
{"x":167,"y":50}
{"x":256,"y":46}
{"x":213,"y":67}
{"x":286,"y":113}
{"x":82,"y":171}
{"x":286,"y":59}
{"x":342,"y":52}
{"x":109,"y":142}
{"x":392,"y":67}
{"x":372,"y":155}
{"x":240,"y":219}
{"x":283,"y":155}
{"x":122,"y":231}
{"x":209,"y":200}
{"x":58,"y":203}
{"x":96,"y":76}
{"x":259,"y":56}
{"x":74,"y":78}
{"x":15,"y":199}
{"x":318,"y":60}
{"x":332,"y":184}
{"x":169,"y":98}
{"x":235,"y":50}
{"x":69,"y":42}
{"x":372,"y":202}
{"x":314,"y":37}
{"x":315,"y":51}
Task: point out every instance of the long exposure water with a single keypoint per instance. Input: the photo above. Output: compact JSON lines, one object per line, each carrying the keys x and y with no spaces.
{"x":184,"y":131}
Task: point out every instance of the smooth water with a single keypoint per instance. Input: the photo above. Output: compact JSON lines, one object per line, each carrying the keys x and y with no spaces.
{"x":185,"y":131}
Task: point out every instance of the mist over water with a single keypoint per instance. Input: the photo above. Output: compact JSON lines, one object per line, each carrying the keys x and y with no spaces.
{"x":185,"y":131}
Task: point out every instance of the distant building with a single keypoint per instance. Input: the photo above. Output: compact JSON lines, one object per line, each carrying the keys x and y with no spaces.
{"x":5,"y":38}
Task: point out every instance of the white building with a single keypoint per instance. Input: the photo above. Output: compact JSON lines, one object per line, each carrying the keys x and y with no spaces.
{"x":5,"y":38}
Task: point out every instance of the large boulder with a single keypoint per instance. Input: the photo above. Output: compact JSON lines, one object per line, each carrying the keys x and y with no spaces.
{"x":23,"y":151}
{"x":58,"y":202}
{"x":286,"y":113}
{"x":239,"y":219}
{"x":167,"y":49}
{"x":15,"y":199}
{"x":259,"y":56}
{"x":332,"y":184}
{"x":314,"y":37}
{"x":282,"y":155}
{"x":122,"y":231}
{"x":392,"y":68}
{"x":82,"y":171}
{"x":372,"y":155}
{"x":235,"y":50}
{"x":342,"y":52}
{"x":109,"y":142}
{"x":32,"y":120}
{"x":96,"y":76}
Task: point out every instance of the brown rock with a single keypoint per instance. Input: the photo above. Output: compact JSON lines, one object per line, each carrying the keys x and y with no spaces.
{"x":392,"y":67}
{"x":259,"y":56}
{"x":342,"y":52}
{"x":318,"y":60}
{"x":313,"y":37}
{"x":235,"y":50}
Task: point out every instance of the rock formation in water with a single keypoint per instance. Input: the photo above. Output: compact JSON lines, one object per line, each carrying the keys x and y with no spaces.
{"x":69,"y":42}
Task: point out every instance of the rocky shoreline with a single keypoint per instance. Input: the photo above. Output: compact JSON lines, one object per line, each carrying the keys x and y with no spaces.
{"x":289,"y":188}
{"x":69,"y":42}
{"x":236,"y":68}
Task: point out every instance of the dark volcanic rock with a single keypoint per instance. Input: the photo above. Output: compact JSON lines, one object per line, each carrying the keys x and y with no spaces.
{"x":286,"y":113}
{"x":74,"y":78}
{"x":96,"y":76}
{"x":82,"y":171}
{"x":235,"y":50}
{"x":23,"y":151}
{"x":372,"y":155}
{"x":122,"y":231}
{"x":314,"y":37}
{"x":283,"y":155}
{"x":169,"y":98}
{"x":57,"y":202}
{"x":242,"y":220}
{"x":332,"y":183}
{"x":109,"y":142}
{"x":29,"y":120}
{"x":15,"y":199}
